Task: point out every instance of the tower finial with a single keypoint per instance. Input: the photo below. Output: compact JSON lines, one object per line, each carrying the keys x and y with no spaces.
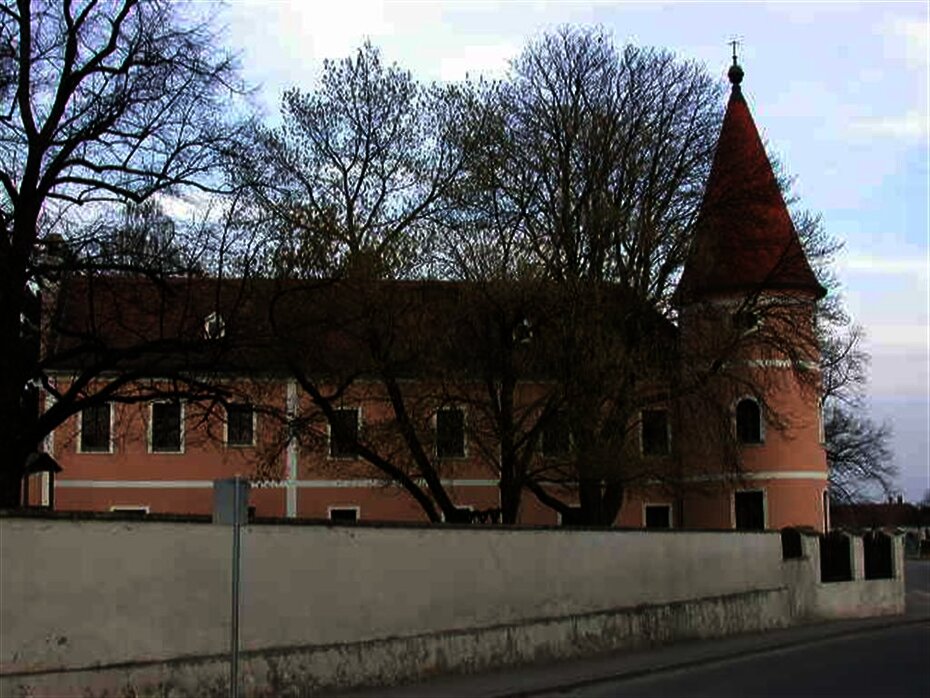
{"x":735,"y":73}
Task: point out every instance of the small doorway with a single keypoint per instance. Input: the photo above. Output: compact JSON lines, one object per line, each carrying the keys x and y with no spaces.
{"x":749,"y":510}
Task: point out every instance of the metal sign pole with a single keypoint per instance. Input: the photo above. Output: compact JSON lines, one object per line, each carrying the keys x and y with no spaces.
{"x":234,"y":639}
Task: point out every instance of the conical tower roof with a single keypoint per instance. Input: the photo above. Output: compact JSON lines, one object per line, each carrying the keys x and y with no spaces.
{"x":744,"y":240}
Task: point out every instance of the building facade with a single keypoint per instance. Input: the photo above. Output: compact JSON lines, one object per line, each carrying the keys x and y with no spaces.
{"x":746,"y":277}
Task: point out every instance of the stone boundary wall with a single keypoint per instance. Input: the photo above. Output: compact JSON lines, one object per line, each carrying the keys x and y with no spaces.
{"x":106,"y":607}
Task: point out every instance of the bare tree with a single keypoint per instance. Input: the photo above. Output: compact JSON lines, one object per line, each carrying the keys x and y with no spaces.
{"x":103,"y":102}
{"x":349,"y":188}
{"x":593,"y":183}
{"x":859,"y":455}
{"x":353,"y":175}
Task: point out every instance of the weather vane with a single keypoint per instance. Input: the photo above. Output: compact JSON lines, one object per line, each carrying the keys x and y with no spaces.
{"x":734,"y":42}
{"x":735,"y":73}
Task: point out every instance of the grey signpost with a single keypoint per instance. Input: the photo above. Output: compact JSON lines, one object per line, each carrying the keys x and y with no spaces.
{"x":230,"y":507}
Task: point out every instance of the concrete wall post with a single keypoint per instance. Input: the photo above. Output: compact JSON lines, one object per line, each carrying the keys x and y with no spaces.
{"x":858,"y":556}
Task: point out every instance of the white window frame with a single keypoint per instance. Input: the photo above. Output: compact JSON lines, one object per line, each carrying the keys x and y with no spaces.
{"x":668,"y":432}
{"x":466,"y":507}
{"x":821,"y":426}
{"x":762,"y":434}
{"x":80,"y":429}
{"x":671,"y":514}
{"x":216,"y":320}
{"x":329,"y":435}
{"x":825,"y":503}
{"x":451,"y":408}
{"x":130,"y":508}
{"x":344,"y":507}
{"x":558,"y":514}
{"x":183,"y":421}
{"x":254,"y":427}
{"x":765,"y":506}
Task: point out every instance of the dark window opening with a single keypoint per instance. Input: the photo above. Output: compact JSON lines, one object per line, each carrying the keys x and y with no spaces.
{"x":791,"y":548}
{"x":658,"y":516}
{"x":748,"y":422}
{"x":835,"y":558}
{"x":166,"y":427}
{"x":746,"y":321}
{"x":95,"y":429}
{"x":556,"y":437}
{"x":343,"y":434}
{"x":655,"y":432}
{"x":876,"y":549}
{"x":240,"y":420}
{"x":343,"y":514}
{"x":750,"y":510}
{"x":450,"y":433}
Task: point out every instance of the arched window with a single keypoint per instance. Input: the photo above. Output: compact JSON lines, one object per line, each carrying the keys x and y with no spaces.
{"x":748,"y":421}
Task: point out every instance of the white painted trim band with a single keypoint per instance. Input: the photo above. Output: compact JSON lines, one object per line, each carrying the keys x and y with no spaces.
{"x":763,"y":475}
{"x":372,"y":483}
{"x":207,"y":484}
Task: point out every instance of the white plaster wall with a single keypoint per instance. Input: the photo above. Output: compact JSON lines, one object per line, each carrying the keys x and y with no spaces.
{"x":80,"y":593}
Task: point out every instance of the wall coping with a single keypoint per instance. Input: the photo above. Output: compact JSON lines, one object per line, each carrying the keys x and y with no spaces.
{"x":43,"y":514}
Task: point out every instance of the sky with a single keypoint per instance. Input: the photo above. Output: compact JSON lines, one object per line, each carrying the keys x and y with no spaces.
{"x":839,"y":91}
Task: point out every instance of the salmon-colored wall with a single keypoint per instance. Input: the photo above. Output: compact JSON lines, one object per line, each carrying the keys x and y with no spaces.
{"x":206,"y":457}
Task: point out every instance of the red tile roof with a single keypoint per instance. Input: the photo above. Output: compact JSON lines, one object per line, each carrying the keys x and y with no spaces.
{"x":328,"y":327}
{"x":744,"y":239}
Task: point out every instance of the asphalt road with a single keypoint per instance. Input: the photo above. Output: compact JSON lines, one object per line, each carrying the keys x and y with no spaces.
{"x":891,"y":661}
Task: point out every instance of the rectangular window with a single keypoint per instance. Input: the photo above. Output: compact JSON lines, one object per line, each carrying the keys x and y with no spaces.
{"x":655,"y":441}
{"x":95,"y":429}
{"x":343,"y":434}
{"x":343,"y":513}
{"x":167,"y":427}
{"x":450,"y":433}
{"x":749,"y":510}
{"x":556,"y":437}
{"x":658,"y":516}
{"x":240,"y":423}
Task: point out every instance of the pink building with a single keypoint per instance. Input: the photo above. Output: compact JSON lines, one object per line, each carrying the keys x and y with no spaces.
{"x":163,"y":455}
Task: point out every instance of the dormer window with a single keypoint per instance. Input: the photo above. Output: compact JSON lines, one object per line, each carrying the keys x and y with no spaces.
{"x":523,"y":332}
{"x":213,"y":326}
{"x":748,"y":421}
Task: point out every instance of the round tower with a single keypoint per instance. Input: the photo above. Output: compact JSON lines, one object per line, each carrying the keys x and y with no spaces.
{"x":746,"y":299}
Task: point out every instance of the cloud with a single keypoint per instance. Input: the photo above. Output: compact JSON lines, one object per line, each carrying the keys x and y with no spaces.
{"x":900,"y":372}
{"x":489,"y":60}
{"x":911,"y":126}
{"x":330,"y":29}
{"x":916,"y":36}
{"x":893,"y":339}
{"x":906,"y":49}
{"x":879,"y":265}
